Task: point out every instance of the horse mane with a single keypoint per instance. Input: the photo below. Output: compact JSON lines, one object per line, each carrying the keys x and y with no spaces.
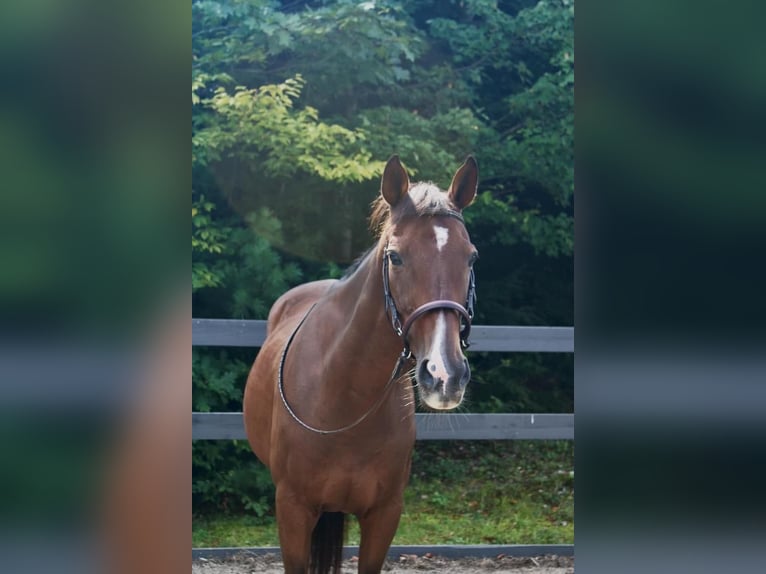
{"x":356,"y":264}
{"x":424,"y":198}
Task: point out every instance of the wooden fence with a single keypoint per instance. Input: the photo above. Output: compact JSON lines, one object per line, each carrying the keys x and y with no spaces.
{"x":227,"y":426}
{"x":232,"y":333}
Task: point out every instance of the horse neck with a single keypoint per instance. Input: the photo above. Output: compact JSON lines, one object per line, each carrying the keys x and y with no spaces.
{"x":366,"y":346}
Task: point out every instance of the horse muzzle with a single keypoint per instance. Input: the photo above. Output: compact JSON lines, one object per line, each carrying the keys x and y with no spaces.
{"x":441,"y":387}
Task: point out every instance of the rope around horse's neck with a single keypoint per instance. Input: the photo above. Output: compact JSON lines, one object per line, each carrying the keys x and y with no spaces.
{"x":403,"y":357}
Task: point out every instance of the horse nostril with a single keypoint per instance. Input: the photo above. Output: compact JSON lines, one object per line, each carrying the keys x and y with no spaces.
{"x":423,"y":375}
{"x":427,"y":378}
{"x":466,"y":376}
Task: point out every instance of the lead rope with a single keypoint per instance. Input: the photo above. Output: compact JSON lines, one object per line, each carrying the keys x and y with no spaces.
{"x":403,"y":357}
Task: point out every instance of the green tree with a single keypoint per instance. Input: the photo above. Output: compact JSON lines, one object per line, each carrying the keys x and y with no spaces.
{"x":295,"y":107}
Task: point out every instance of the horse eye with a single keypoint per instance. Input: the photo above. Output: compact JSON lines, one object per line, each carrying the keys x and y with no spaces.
{"x":394,"y":258}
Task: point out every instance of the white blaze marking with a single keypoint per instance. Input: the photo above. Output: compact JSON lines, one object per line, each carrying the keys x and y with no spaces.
{"x":442,"y":235}
{"x":437,"y":367}
{"x":436,"y":362}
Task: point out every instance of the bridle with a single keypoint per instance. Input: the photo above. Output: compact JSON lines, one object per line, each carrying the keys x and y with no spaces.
{"x":402,"y":330}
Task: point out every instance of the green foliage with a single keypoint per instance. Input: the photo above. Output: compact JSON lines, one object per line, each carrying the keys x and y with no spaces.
{"x":461,"y":492}
{"x":520,"y":383}
{"x":243,"y":267}
{"x":228,"y":478}
{"x":429,"y":146}
{"x":295,"y":108}
{"x":503,"y":492}
{"x":218,"y":376}
{"x":549,"y":235}
{"x":262,"y":125}
{"x":207,"y":239}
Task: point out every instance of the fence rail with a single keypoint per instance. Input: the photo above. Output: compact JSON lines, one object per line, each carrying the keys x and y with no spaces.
{"x":233,"y":333}
{"x":228,"y":426}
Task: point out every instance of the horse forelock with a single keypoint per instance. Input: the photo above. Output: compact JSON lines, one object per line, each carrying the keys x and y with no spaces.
{"x":424,"y":198}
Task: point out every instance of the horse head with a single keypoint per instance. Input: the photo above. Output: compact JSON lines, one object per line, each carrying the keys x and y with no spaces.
{"x":428,"y":260}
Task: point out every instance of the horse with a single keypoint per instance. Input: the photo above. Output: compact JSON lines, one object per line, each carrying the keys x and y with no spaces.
{"x":323,"y":409}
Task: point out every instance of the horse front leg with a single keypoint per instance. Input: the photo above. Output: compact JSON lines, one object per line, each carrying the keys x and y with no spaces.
{"x":378,"y":527}
{"x":295,"y":522}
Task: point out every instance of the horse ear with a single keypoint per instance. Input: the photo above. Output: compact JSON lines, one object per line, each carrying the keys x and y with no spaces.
{"x":462,"y":190}
{"x":395,"y":182}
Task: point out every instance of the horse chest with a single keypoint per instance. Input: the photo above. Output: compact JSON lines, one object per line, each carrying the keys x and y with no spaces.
{"x":351,"y":477}
{"x":356,"y":489}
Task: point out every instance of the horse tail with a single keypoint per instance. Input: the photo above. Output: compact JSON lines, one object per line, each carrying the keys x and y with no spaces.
{"x":327,"y":543}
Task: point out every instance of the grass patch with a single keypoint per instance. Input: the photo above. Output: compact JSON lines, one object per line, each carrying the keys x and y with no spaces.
{"x":460,"y":492}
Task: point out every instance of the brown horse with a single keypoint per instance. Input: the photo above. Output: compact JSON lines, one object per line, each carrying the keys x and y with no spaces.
{"x":323,"y":409}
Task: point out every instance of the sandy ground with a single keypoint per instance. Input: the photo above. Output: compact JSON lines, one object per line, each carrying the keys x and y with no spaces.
{"x":407,"y":564}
